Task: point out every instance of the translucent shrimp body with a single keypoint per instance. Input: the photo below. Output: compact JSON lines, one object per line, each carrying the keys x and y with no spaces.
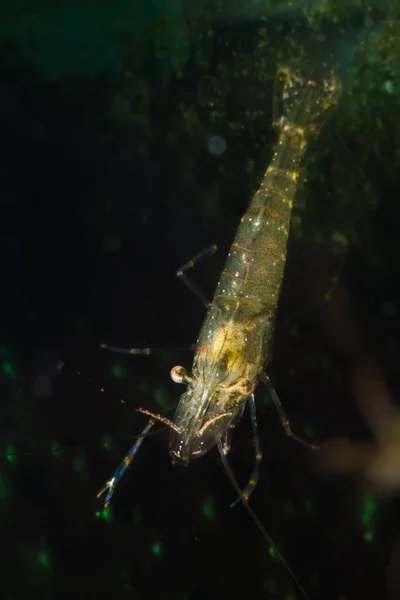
{"x":234,"y":343}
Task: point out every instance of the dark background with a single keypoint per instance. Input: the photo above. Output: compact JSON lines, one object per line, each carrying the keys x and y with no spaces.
{"x":108,"y":185}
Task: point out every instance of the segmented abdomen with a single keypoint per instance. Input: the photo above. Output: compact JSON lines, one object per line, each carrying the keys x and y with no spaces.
{"x":255,"y":265}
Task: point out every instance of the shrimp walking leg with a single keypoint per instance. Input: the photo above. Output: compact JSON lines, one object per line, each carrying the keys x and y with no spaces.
{"x":181,"y":273}
{"x":227,"y":438}
{"x":146,"y":351}
{"x":282,"y":415}
{"x":124,"y":465}
{"x":248,"y":490}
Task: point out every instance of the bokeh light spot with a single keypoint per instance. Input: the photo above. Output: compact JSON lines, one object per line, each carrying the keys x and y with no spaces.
{"x":216,"y":145}
{"x":118,"y":370}
{"x":309,"y":431}
{"x":107,"y":443}
{"x":10,"y":454}
{"x":161,"y":397}
{"x":388,"y":86}
{"x":44,"y":559}
{"x":369,"y":536}
{"x":79,"y":463}
{"x":273,"y":553}
{"x":267,"y":400}
{"x":157,"y":548}
{"x":208,"y":510}
{"x":106,"y":513}
{"x":368,"y":517}
{"x":143,"y":387}
{"x":55,"y":449}
{"x":369,"y":509}
{"x":7,"y":368}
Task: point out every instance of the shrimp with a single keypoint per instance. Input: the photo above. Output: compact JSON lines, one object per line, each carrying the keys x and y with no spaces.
{"x":234,"y":343}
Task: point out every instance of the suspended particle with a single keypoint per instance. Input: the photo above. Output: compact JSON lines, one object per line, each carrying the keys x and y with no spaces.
{"x":216,"y":145}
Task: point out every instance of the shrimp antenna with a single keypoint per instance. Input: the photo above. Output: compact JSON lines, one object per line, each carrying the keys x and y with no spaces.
{"x":256,"y":520}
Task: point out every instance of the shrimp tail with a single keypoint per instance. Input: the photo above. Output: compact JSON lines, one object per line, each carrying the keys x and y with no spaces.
{"x":304,"y":97}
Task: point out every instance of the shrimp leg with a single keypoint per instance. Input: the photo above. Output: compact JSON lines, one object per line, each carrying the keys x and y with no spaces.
{"x":282,"y":414}
{"x":248,"y":490}
{"x":145,"y":351}
{"x":181,"y":273}
{"x":124,"y":465}
{"x":226,"y":442}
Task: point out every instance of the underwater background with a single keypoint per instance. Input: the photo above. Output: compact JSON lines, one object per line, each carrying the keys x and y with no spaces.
{"x":134,"y":134}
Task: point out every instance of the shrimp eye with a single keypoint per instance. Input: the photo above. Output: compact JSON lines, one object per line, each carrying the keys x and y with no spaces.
{"x":180,"y":375}
{"x":244,"y":386}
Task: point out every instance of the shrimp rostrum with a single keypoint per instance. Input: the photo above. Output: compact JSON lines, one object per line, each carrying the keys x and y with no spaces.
{"x":234,"y":343}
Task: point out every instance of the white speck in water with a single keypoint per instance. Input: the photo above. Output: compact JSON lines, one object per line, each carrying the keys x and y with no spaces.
{"x":216,"y":145}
